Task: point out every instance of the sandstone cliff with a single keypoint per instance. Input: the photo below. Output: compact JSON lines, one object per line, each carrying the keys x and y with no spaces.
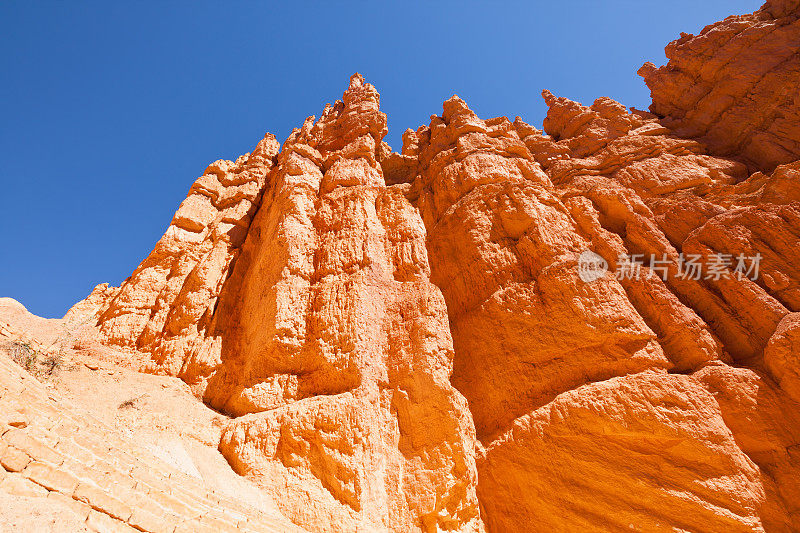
{"x":735,"y":86}
{"x":405,"y":341}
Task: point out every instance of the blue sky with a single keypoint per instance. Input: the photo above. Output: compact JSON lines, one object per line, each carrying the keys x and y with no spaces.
{"x":111,"y":110}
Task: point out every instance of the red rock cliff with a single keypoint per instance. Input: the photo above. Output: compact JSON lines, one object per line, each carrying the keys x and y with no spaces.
{"x":407,"y":341}
{"x":736,"y":86}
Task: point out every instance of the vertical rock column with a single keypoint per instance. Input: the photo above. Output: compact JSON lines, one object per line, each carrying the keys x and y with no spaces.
{"x":504,"y":251}
{"x":583,"y":427}
{"x":336,"y":351}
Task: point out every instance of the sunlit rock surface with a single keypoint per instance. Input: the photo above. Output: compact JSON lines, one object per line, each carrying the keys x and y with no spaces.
{"x":405,"y":341}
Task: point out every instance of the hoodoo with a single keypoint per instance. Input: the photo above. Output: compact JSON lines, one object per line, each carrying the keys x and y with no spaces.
{"x":405,"y":341}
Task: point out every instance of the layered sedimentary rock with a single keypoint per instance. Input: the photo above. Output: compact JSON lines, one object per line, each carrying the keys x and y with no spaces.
{"x":165,"y":307}
{"x":504,"y":251}
{"x":410,"y":341}
{"x":536,"y":346}
{"x":736,"y":86}
{"x":337,"y":343}
{"x":63,"y":469}
{"x":586,"y":462}
{"x":316,"y":326}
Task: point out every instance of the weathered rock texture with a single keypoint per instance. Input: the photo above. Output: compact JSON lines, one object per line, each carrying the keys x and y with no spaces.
{"x":404,"y":342}
{"x":736,"y":86}
{"x":292,"y":291}
{"x":76,"y":472}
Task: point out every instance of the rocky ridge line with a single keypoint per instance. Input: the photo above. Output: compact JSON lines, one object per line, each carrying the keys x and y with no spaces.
{"x":330,"y":312}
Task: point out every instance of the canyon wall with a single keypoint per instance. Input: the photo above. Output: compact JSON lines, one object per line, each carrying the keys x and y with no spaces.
{"x":734,"y":86}
{"x":409,"y":341}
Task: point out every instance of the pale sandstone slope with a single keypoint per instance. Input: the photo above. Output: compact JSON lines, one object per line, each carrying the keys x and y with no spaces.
{"x":89,"y":446}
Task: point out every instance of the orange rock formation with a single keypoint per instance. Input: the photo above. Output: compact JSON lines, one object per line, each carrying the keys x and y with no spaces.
{"x":736,"y":86}
{"x":404,"y":341}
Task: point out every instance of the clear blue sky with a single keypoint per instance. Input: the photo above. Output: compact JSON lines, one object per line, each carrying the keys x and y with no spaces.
{"x":110,"y":110}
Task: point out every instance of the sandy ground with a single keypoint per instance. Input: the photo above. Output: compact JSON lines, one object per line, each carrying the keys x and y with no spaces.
{"x":159,"y":413}
{"x":19,"y":514}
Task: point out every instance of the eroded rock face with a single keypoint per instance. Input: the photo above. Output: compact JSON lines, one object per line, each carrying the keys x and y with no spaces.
{"x":536,"y":346}
{"x":586,"y":462}
{"x":167,"y":304}
{"x":410,"y":341}
{"x":735,"y":86}
{"x":782,"y":353}
{"x":311,"y":318}
{"x":336,"y":341}
{"x":504,"y":251}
